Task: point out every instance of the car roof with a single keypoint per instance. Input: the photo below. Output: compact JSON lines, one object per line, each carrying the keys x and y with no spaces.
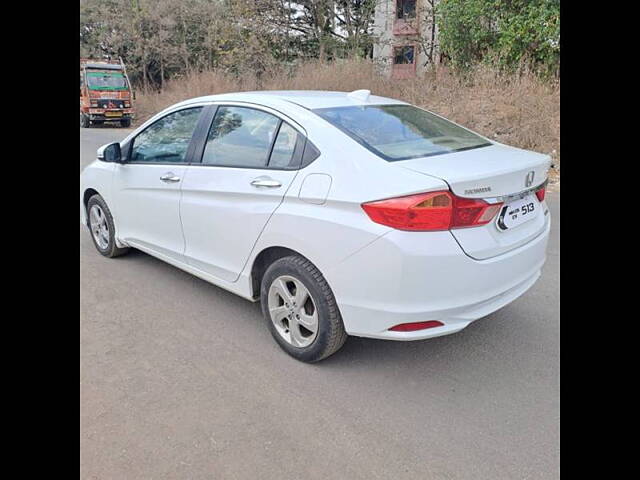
{"x":309,"y":99}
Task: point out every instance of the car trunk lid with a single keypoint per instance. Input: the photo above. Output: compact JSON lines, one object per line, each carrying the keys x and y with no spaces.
{"x":494,"y":173}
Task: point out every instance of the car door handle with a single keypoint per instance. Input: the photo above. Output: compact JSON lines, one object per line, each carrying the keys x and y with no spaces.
{"x":169,"y":178}
{"x":266,"y":182}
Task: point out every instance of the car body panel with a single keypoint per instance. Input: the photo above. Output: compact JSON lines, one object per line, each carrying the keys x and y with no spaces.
{"x":406,"y":277}
{"x":491,"y":171}
{"x":147,"y":208}
{"x":223,"y":214}
{"x":98,"y":177}
{"x":495,"y":173}
{"x":315,"y":188}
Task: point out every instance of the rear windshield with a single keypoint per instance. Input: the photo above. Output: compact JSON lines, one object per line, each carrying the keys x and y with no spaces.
{"x":401,"y":132}
{"x":106,"y":81}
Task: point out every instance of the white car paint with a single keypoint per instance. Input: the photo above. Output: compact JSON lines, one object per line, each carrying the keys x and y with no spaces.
{"x":315,"y":188}
{"x":148,"y":210}
{"x":222,"y":200}
{"x":214,"y":223}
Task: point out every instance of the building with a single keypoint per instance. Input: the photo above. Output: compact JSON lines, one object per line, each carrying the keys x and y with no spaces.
{"x":407,"y":36}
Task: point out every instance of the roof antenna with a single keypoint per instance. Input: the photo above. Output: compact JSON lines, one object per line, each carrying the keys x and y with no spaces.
{"x":362,"y":95}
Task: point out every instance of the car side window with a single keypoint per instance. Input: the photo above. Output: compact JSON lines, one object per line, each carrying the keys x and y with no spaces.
{"x":240,"y":137}
{"x":284,"y":147}
{"x":167,"y":140}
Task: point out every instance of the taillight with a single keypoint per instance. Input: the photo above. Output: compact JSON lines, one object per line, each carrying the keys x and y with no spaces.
{"x":540,"y":192}
{"x":431,"y":211}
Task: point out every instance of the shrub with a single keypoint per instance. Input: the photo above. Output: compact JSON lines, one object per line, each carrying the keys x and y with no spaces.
{"x":508,"y":34}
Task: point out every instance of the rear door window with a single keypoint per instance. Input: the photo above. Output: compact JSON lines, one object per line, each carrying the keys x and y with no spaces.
{"x":241,"y":137}
{"x":284,"y":147}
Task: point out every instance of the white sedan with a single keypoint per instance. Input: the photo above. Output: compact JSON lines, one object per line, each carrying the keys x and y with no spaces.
{"x":342,"y":213}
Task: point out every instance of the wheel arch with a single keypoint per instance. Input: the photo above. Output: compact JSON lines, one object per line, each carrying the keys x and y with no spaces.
{"x":262,"y":261}
{"x":88,"y":193}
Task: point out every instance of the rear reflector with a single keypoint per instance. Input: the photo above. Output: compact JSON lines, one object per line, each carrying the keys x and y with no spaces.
{"x":440,"y":210}
{"x":412,"y":327}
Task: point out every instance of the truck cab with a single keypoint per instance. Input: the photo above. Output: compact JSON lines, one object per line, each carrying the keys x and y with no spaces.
{"x":105,"y":93}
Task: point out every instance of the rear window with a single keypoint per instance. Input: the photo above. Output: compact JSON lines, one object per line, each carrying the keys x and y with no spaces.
{"x":401,"y":132}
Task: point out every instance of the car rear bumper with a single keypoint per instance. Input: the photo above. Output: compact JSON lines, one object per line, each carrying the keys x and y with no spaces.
{"x":406,"y":277}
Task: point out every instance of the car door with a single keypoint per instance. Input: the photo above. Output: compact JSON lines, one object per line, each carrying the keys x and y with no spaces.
{"x":247,"y":164}
{"x":147,"y":185}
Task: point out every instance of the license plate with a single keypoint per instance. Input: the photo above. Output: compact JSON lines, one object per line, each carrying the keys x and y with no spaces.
{"x":113,"y":114}
{"x":518,"y":212}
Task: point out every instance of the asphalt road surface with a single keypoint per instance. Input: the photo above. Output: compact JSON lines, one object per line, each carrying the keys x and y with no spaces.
{"x":181,"y":380}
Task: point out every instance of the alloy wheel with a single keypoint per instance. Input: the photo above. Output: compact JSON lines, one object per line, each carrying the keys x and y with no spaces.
{"x":293,"y":311}
{"x":99,"y":226}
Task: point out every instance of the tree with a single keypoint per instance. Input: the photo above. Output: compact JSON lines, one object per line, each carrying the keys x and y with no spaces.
{"x":505,"y":33}
{"x":356,"y":18}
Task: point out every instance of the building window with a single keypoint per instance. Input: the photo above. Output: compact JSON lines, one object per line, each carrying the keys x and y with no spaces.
{"x":404,"y":62}
{"x":405,"y":9}
{"x":404,"y":55}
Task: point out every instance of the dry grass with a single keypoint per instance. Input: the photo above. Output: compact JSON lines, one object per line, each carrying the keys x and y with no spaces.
{"x":519,"y":110}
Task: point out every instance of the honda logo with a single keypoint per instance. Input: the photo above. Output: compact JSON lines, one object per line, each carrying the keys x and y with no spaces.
{"x":528,"y":181}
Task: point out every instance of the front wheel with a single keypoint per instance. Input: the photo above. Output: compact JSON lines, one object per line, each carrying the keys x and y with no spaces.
{"x":300,"y":309}
{"x":84,"y":121}
{"x":103,"y":231}
{"x":125,"y":123}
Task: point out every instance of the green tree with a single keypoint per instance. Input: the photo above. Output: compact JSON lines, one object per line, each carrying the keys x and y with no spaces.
{"x":505,"y":33}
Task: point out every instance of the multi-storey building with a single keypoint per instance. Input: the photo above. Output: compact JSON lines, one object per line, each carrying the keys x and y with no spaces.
{"x":407,"y":36}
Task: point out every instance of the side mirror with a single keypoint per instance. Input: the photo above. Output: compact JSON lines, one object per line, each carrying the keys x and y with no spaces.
{"x":110,"y":153}
{"x":133,"y":94}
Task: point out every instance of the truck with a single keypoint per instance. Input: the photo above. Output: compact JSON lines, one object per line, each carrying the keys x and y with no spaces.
{"x":105,"y":93}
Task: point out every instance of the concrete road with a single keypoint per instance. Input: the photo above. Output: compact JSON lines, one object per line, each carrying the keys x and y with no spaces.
{"x":181,"y":380}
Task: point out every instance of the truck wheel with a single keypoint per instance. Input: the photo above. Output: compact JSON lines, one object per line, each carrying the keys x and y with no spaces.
{"x":125,"y":122}
{"x":84,"y":121}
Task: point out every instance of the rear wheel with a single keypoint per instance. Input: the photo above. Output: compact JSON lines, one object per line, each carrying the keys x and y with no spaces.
{"x":102,"y":228}
{"x":84,"y":121}
{"x":125,"y":122}
{"x":300,"y":309}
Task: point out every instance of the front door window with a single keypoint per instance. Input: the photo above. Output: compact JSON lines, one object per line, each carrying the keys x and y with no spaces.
{"x":167,"y":140}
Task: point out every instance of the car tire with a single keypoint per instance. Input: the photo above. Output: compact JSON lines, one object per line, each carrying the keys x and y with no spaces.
{"x":302,"y":280}
{"x":84,"y":121}
{"x":102,"y":228}
{"x":126,"y":123}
